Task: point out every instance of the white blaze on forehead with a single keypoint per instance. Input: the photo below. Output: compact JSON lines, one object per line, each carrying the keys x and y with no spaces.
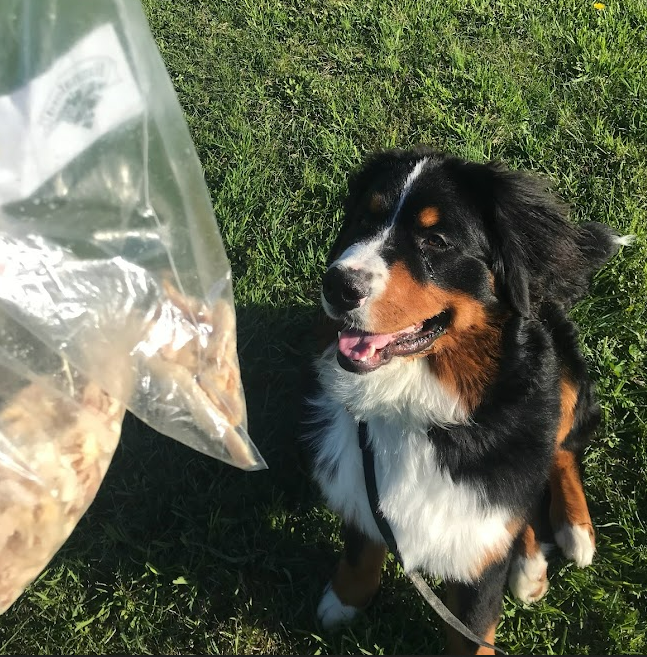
{"x":408,"y":184}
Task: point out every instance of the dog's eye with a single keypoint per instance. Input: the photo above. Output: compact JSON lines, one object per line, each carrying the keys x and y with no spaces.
{"x":434,"y":241}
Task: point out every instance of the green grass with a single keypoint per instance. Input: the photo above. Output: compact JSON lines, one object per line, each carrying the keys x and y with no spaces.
{"x":180,"y":554}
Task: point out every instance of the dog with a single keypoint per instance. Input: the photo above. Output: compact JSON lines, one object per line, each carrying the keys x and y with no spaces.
{"x":446,"y":331}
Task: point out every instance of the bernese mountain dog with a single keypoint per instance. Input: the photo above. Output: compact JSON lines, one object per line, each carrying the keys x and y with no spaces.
{"x":446,"y":332}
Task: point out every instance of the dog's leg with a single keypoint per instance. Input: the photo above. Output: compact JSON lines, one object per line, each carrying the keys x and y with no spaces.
{"x":569,"y":512}
{"x":478,"y":605}
{"x":355,"y":582}
{"x":528,"y":578}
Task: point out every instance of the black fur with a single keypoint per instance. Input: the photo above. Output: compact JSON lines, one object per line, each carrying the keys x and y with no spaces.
{"x":479,"y":605}
{"x":354,"y":542}
{"x":513,"y":429}
{"x":541,"y":256}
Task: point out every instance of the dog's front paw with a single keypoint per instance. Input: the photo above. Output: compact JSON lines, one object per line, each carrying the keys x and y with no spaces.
{"x":577,"y":543}
{"x":332,"y":612}
{"x":528,"y":579}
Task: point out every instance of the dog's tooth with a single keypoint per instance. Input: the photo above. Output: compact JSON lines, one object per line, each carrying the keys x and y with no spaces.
{"x":371,"y":353}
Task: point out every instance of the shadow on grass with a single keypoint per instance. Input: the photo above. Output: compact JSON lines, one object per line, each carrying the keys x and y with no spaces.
{"x":180,"y":552}
{"x":192,"y":554}
{"x":237,"y":537}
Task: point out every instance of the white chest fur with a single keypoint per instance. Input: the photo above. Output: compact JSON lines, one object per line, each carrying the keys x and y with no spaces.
{"x":440,"y":526}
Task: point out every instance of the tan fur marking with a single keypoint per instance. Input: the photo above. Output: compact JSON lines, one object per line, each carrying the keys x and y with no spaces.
{"x":428,"y":217}
{"x":568,"y":502}
{"x":457,"y":644}
{"x":498,"y":552}
{"x":489,"y":637}
{"x":377,"y":203}
{"x":492,"y":282}
{"x":356,"y":585}
{"x":405,"y":302}
{"x":514,"y":526}
{"x":467,"y":360}
{"x":490,"y":557}
{"x":466,"y":357}
{"x":568,"y":402}
{"x":528,"y":544}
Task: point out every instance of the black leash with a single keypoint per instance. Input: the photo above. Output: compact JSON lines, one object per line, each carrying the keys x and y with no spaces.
{"x":387,"y":533}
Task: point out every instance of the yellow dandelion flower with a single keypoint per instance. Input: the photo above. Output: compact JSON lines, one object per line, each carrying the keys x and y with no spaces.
{"x":599,"y":6}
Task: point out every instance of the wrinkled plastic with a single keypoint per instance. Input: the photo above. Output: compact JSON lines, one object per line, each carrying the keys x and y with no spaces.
{"x":115,"y":288}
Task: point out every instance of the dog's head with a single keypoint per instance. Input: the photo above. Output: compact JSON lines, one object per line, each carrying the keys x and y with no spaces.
{"x":433,"y":248}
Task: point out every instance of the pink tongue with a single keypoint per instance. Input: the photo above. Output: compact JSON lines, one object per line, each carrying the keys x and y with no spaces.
{"x":359,"y":344}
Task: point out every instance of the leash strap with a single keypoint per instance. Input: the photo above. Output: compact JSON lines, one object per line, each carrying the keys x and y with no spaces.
{"x":387,"y":533}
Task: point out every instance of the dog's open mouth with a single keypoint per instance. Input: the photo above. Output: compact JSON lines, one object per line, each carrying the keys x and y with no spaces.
{"x":360,"y":351}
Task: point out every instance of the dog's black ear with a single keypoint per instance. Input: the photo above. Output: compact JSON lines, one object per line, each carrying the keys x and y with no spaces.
{"x":512,"y":275}
{"x":537,"y":252}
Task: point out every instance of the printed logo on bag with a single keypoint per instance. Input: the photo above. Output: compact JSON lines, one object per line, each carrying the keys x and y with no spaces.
{"x":77,"y":93}
{"x":87,"y":92}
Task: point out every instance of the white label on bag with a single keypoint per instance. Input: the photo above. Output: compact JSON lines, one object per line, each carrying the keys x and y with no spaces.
{"x":86,"y":92}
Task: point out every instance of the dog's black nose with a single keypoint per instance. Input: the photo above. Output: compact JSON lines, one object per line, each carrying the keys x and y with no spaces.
{"x":345,"y":289}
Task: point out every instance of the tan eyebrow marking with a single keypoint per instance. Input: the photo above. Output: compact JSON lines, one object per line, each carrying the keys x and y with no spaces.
{"x":377,"y":202}
{"x":428,"y":217}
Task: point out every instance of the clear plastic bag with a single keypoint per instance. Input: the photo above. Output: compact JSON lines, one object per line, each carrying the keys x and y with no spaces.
{"x":115,"y":288}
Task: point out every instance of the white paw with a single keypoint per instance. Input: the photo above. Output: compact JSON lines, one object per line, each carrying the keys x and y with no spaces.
{"x":528,"y":579}
{"x":332,"y":612}
{"x":576,"y":543}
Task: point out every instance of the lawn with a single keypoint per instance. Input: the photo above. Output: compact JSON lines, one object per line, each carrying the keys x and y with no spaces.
{"x":180,"y":554}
